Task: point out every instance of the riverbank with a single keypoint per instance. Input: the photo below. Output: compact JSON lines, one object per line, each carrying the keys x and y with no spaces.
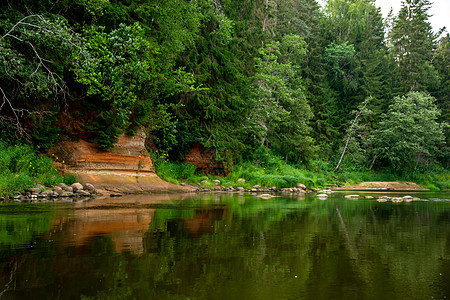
{"x":274,"y":172}
{"x":22,"y":169}
{"x":384,"y":186}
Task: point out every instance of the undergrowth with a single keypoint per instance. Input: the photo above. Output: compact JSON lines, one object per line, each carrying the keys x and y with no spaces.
{"x":22,"y":168}
{"x":268,"y":170}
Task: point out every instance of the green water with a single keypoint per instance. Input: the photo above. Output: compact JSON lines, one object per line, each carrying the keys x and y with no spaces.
{"x":226,"y":246}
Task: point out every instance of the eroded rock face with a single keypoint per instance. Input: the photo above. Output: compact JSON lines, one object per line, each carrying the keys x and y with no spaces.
{"x":204,"y":159}
{"x":125,"y":168}
{"x":125,"y":156}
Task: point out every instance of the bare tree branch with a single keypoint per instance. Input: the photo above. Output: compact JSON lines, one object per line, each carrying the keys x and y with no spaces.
{"x":15,"y":25}
{"x":15,"y":120}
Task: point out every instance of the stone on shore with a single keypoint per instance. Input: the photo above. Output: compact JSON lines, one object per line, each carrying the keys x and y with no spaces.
{"x":48,"y":193}
{"x":34,"y":191}
{"x":58,"y":189}
{"x":301,"y":186}
{"x":82,"y":193}
{"x":76,"y":186}
{"x":89,"y":187}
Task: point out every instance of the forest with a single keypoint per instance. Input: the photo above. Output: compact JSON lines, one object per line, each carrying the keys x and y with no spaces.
{"x":262,"y":82}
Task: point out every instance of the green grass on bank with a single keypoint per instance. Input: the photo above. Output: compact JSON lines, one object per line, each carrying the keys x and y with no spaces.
{"x":22,"y":168}
{"x":273,"y":171}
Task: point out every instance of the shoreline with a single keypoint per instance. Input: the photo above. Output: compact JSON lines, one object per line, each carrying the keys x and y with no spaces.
{"x":115,"y":189}
{"x":383,"y":186}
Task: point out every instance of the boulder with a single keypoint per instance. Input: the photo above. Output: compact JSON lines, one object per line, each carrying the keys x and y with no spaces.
{"x":352,"y":196}
{"x":89,"y":187}
{"x":322,"y":196}
{"x":240,"y":189}
{"x":216,"y":182}
{"x":407,"y":198}
{"x":82,"y":193}
{"x":301,"y":186}
{"x":66,"y":194}
{"x":397,"y":199}
{"x":35,"y":191}
{"x":256,"y":186}
{"x":58,"y":189}
{"x":47,"y":193}
{"x":62,"y":185}
{"x":69,"y":189}
{"x":65,"y":187}
{"x":76,"y":186}
{"x":204,"y":182}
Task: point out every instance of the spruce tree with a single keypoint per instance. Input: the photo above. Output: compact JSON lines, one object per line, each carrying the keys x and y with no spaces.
{"x":413,"y":44}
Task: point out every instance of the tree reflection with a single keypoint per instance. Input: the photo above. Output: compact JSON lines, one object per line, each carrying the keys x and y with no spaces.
{"x":234,"y":247}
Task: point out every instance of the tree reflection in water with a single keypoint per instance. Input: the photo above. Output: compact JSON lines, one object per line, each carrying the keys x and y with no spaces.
{"x":229,"y":247}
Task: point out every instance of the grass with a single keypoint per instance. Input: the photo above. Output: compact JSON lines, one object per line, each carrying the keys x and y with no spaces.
{"x":172,"y":171}
{"x":22,"y":168}
{"x":270,"y":171}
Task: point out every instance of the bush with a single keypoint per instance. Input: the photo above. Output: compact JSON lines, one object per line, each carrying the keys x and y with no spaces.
{"x":172,"y":171}
{"x":21,"y":168}
{"x":268,"y":170}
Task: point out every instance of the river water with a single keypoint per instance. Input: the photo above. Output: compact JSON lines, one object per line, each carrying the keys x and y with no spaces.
{"x":227,"y":246}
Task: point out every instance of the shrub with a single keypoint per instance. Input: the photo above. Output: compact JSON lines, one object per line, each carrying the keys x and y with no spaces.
{"x":21,"y":168}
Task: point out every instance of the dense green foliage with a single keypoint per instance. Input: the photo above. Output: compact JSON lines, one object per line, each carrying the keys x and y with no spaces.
{"x":22,"y":168}
{"x":268,"y":170}
{"x":237,"y":76}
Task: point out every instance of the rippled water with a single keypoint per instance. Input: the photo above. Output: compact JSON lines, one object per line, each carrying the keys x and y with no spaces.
{"x":227,"y":246}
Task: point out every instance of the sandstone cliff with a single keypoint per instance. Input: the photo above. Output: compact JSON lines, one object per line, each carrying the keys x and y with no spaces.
{"x":126,"y":168}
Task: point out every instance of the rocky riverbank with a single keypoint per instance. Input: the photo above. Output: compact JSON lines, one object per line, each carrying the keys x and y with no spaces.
{"x":60,"y":192}
{"x":125,"y":169}
{"x":206,"y":186}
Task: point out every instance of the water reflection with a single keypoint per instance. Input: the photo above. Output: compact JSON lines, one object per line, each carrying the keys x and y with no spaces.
{"x":222,"y":246}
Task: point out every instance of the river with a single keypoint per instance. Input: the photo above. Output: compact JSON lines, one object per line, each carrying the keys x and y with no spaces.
{"x":227,"y":246}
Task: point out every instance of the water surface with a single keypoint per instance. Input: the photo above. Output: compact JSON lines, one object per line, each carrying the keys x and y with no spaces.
{"x":227,"y":246}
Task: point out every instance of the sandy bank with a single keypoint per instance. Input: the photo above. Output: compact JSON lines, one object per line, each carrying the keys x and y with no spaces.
{"x":384,"y":185}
